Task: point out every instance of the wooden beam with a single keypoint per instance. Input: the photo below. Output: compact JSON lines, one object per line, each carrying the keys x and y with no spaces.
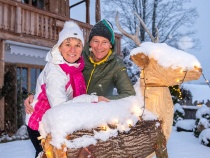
{"x":88,"y":11}
{"x":2,"y":116}
{"x":98,"y":11}
{"x":30,"y":2}
{"x":67,"y":9}
{"x":18,"y":20}
{"x":26,"y":39}
{"x":76,"y":4}
{"x":53,"y":7}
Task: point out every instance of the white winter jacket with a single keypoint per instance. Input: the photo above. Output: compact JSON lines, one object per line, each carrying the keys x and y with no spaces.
{"x":56,"y":79}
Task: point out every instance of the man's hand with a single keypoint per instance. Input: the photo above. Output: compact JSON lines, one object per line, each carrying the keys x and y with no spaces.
{"x":101,"y":98}
{"x":28,"y":108}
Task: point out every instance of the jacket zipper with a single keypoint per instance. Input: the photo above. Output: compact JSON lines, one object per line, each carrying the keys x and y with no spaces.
{"x":90,"y":77}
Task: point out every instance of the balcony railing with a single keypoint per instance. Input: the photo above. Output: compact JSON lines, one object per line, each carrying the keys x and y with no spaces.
{"x":24,"y":23}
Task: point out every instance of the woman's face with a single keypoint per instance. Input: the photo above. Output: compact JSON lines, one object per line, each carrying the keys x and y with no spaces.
{"x":100,"y":47}
{"x":71,"y":49}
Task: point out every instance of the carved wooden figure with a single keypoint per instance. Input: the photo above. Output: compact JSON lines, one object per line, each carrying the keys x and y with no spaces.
{"x":154,"y":82}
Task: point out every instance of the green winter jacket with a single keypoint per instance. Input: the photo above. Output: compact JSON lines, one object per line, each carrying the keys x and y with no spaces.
{"x":103,"y":78}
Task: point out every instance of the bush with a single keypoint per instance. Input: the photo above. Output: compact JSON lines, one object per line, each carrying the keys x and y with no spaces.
{"x":202,"y":120}
{"x":178,"y":113}
{"x":185,"y":125}
{"x":204,"y":137}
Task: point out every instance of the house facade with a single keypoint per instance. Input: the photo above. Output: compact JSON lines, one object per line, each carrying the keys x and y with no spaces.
{"x":28,"y":29}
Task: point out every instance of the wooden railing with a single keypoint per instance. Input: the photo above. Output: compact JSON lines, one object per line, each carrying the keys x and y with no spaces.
{"x":24,"y":23}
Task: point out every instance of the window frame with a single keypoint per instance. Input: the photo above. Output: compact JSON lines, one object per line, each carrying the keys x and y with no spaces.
{"x":29,"y":67}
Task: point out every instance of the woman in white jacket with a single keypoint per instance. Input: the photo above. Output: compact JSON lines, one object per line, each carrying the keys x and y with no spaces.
{"x":61,"y":80}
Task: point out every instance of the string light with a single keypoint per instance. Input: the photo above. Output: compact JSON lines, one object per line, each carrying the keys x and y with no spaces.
{"x":207,"y":82}
{"x":103,"y":128}
{"x":129,"y":122}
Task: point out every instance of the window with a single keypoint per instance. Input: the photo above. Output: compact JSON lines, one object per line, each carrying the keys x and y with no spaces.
{"x":36,"y":3}
{"x":27,"y":77}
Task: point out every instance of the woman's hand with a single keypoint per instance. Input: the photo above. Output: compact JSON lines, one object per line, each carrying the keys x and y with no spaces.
{"x":28,"y":108}
{"x":101,"y":98}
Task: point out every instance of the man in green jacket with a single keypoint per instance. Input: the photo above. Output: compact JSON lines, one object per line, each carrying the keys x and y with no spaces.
{"x":104,"y":70}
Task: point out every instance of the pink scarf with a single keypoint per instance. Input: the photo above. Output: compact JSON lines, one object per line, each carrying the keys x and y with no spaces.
{"x":77,"y":80}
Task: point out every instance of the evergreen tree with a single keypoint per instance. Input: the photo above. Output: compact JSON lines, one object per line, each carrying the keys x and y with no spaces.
{"x":200,"y":126}
{"x":180,"y":95}
{"x":132,"y":69}
{"x":178,"y":113}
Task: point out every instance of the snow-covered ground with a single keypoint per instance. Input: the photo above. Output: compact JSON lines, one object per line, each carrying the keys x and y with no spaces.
{"x":180,"y":145}
{"x":196,"y":89}
{"x":186,"y":145}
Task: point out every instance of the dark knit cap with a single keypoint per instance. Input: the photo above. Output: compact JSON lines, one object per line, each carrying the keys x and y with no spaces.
{"x":105,"y":29}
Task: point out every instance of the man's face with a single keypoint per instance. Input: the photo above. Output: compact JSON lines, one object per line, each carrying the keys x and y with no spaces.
{"x":100,"y":47}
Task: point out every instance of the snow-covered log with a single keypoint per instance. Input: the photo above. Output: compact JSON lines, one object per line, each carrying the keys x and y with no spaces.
{"x":119,"y":128}
{"x":139,"y":142}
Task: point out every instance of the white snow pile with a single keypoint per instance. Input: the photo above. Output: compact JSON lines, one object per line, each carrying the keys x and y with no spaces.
{"x":178,"y":107}
{"x":203,"y":110}
{"x":21,"y":134}
{"x":168,"y":56}
{"x":204,"y":136}
{"x":203,"y":114}
{"x":67,"y":118}
{"x":190,"y":107}
{"x":187,"y":125}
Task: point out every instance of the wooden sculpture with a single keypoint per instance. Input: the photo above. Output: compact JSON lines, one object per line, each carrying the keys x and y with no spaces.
{"x":154,"y":81}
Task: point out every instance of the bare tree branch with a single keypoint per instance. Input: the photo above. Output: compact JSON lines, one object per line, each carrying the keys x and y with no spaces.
{"x":134,"y":37}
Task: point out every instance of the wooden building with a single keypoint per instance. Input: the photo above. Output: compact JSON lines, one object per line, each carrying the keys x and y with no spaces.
{"x":28,"y":29}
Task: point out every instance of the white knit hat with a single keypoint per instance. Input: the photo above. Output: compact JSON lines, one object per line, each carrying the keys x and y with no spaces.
{"x":70,"y":29}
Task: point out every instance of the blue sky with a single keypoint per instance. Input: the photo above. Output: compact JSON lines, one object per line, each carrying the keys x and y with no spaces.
{"x":202,"y":26}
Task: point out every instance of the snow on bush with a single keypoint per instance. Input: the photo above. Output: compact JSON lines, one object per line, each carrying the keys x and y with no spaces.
{"x":202,"y":120}
{"x":21,"y":134}
{"x":185,"y":125}
{"x":178,"y":113}
{"x":204,"y":137}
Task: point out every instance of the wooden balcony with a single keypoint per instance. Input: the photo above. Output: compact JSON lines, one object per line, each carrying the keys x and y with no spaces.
{"x":24,"y":23}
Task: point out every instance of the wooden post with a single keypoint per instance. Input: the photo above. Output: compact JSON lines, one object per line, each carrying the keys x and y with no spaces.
{"x":54,"y":6}
{"x":160,"y":147}
{"x":98,"y":11}
{"x":18,"y":20}
{"x":87,"y":2}
{"x":67,"y":9}
{"x":30,"y":2}
{"x":2,"y":117}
